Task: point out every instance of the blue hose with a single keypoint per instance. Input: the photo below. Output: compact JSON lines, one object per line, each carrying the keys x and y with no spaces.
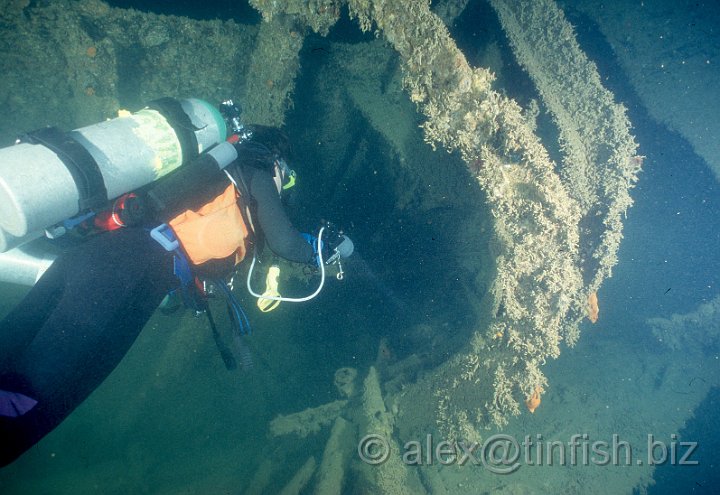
{"x":243,"y":324}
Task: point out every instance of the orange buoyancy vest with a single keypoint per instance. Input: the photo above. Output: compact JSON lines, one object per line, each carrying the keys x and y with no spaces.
{"x":215,"y":231}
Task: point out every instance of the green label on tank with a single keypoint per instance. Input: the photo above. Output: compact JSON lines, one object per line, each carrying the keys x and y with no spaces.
{"x":155,"y":132}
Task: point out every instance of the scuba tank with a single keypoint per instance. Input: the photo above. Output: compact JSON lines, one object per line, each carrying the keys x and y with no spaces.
{"x":23,"y":260}
{"x":49,"y":175}
{"x":25,"y":264}
{"x":8,"y":242}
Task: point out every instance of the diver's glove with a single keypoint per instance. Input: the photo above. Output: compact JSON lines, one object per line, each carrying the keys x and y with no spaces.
{"x":313,"y":241}
{"x":334,"y":245}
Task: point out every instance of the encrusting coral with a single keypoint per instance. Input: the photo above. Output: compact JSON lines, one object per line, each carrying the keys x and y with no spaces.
{"x":557,"y":227}
{"x":555,"y":242}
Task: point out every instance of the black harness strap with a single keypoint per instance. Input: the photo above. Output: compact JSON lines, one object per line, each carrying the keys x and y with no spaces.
{"x":255,"y":235}
{"x":173,"y":112}
{"x":79,"y":162}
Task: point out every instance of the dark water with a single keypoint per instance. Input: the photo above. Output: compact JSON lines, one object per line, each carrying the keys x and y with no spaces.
{"x":216,"y":9}
{"x":670,"y":261}
{"x":703,"y":477}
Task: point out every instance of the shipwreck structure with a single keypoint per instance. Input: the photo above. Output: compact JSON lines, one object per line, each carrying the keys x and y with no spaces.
{"x":556,"y":224}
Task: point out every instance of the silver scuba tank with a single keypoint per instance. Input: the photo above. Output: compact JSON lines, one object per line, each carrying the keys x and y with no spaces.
{"x":23,"y":260}
{"x":51,"y":176}
{"x":25,"y":264}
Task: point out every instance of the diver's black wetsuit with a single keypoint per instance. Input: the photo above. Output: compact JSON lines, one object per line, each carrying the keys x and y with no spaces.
{"x":76,"y":324}
{"x":74,"y":327}
{"x":279,"y":234}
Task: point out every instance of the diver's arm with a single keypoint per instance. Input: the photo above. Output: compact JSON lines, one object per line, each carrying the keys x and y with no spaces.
{"x":280,"y":235}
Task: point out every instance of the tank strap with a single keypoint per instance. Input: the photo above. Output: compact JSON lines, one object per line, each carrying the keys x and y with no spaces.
{"x":82,"y":166}
{"x":189,"y":291}
{"x":236,"y":176}
{"x":172,"y":110}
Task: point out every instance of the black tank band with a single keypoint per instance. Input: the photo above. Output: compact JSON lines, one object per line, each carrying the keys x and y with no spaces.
{"x":172,"y":110}
{"x":79,"y":162}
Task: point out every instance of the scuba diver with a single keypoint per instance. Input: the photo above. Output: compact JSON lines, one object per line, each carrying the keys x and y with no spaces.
{"x":82,"y":316}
